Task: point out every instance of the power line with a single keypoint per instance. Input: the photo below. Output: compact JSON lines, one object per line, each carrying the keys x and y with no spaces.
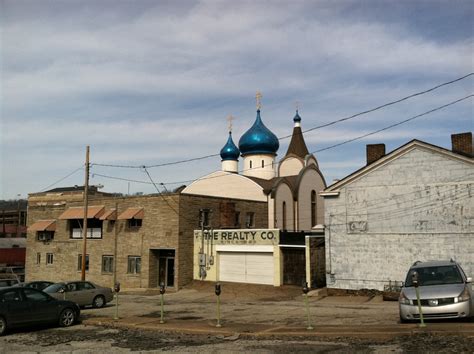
{"x":62,"y":179}
{"x":305,"y":131}
{"x":319,"y":150}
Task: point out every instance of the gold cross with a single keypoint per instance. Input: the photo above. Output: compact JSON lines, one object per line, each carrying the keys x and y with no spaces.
{"x":230,"y":118}
{"x":258,"y":96}
{"x":297,"y":105}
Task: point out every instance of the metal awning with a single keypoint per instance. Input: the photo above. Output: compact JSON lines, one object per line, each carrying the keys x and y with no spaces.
{"x":78,"y":212}
{"x":132,"y":213}
{"x":110,"y":214}
{"x":43,"y":225}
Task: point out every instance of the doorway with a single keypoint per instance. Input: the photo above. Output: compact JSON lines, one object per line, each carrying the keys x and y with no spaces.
{"x":294,"y":266}
{"x":166,"y":268}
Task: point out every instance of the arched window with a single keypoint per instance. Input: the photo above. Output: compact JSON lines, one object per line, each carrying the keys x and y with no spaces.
{"x":313,"y":208}
{"x":284,"y":216}
{"x":263,"y":164}
{"x":250,"y":163}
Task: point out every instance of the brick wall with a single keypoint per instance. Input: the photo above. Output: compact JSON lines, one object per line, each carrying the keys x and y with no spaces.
{"x":162,"y":228}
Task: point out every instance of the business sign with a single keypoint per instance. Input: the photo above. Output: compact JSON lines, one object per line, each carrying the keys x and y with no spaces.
{"x":245,"y":236}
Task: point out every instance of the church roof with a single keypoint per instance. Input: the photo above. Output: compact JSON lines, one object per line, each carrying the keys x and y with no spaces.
{"x":297,"y":144}
{"x":258,"y":139}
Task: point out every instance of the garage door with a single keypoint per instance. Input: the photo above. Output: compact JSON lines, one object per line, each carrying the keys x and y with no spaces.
{"x":246,"y":267}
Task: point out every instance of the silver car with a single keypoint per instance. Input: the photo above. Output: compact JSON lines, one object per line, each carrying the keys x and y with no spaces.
{"x":83,"y":293}
{"x":445,"y":292}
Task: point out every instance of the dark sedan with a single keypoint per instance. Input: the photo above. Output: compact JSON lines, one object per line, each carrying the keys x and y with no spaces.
{"x":26,"y":306}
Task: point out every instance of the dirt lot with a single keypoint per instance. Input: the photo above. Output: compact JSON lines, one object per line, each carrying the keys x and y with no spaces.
{"x":254,"y":319}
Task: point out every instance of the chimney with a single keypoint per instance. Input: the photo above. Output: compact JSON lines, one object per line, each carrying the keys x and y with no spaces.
{"x":462,"y":144}
{"x":375,"y":152}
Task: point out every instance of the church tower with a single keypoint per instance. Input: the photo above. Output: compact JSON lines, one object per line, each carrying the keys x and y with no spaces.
{"x":230,"y":153}
{"x":258,"y":147}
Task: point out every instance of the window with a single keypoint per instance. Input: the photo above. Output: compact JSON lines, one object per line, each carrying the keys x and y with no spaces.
{"x":107,"y":264}
{"x":313,"y":208}
{"x":284,"y":216}
{"x":49,"y":258}
{"x":134,"y":223}
{"x":263,"y":164}
{"x":134,"y":264}
{"x":84,"y":285}
{"x":45,"y":235}
{"x":204,"y":219}
{"x":237,"y":219}
{"x":250,"y":163}
{"x":12,"y":295}
{"x":35,"y":296}
{"x":79,"y":262}
{"x":38,"y":258}
{"x":249,"y":219}
{"x":94,"y":228}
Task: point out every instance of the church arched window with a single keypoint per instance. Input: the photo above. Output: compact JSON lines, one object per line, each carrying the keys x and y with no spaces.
{"x":313,"y":208}
{"x":250,"y":163}
{"x":263,"y":164}
{"x":284,"y":216}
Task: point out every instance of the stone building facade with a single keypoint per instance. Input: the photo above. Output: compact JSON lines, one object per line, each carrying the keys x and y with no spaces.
{"x":416,"y":203}
{"x":139,"y":241}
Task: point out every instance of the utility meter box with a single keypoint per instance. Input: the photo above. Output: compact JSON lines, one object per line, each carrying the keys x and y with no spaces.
{"x":202,"y":260}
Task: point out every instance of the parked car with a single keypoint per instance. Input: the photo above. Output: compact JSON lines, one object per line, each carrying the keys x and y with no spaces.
{"x":38,"y":285}
{"x":83,"y":293}
{"x":25,"y":306}
{"x":445,"y":292}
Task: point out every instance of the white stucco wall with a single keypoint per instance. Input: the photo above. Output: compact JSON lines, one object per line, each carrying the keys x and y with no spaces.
{"x":227,"y":185}
{"x":311,"y":180}
{"x":266,"y":172}
{"x":284,"y":194}
{"x":418,"y":206}
{"x":290,"y":166}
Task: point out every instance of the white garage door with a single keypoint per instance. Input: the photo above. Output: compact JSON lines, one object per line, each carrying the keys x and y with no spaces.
{"x":246,"y":267}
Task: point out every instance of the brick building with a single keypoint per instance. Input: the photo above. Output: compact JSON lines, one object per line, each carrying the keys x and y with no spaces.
{"x":139,"y":241}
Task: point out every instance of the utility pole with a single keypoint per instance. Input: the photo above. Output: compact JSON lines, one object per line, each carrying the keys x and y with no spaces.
{"x":84,"y":226}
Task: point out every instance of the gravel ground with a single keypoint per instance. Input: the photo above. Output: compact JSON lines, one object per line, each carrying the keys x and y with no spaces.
{"x":91,"y":339}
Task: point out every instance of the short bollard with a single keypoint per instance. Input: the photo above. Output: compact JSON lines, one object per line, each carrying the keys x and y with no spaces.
{"x":162,"y":292}
{"x":116,"y":290}
{"x":218,"y":293}
{"x":416,"y":284}
{"x":305,"y":292}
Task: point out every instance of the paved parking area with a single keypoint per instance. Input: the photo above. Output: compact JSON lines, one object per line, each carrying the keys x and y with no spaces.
{"x":254,"y":319}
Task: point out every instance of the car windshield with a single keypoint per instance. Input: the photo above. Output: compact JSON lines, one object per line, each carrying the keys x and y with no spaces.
{"x":53,"y":288}
{"x":439,"y":275}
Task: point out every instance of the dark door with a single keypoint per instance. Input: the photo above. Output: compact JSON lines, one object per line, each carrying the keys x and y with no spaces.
{"x":166,"y":271}
{"x":170,"y":272}
{"x":42,"y":307}
{"x":18,"y":310}
{"x":294,"y":266}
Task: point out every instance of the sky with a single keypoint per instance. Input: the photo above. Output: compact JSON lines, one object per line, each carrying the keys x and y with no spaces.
{"x":152,"y":82}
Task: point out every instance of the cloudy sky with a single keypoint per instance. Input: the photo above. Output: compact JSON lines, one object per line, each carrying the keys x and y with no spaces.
{"x":151,"y":82}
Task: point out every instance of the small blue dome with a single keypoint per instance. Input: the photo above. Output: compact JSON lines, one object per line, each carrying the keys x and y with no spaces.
{"x":258,"y":139}
{"x":297,"y":118}
{"x":230,"y":151}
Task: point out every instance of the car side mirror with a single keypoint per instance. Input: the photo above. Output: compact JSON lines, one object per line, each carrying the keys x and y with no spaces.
{"x":469,"y":280}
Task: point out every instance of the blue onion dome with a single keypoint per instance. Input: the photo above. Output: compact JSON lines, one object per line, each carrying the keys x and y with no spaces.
{"x":297,"y":118}
{"x":258,"y":139}
{"x":230,"y":151}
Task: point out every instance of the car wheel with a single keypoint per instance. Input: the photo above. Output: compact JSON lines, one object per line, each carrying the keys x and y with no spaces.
{"x":99,"y":301}
{"x":3,"y":326}
{"x":67,"y":318}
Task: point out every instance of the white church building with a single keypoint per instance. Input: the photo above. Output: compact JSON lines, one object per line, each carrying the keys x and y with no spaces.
{"x":290,"y":249}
